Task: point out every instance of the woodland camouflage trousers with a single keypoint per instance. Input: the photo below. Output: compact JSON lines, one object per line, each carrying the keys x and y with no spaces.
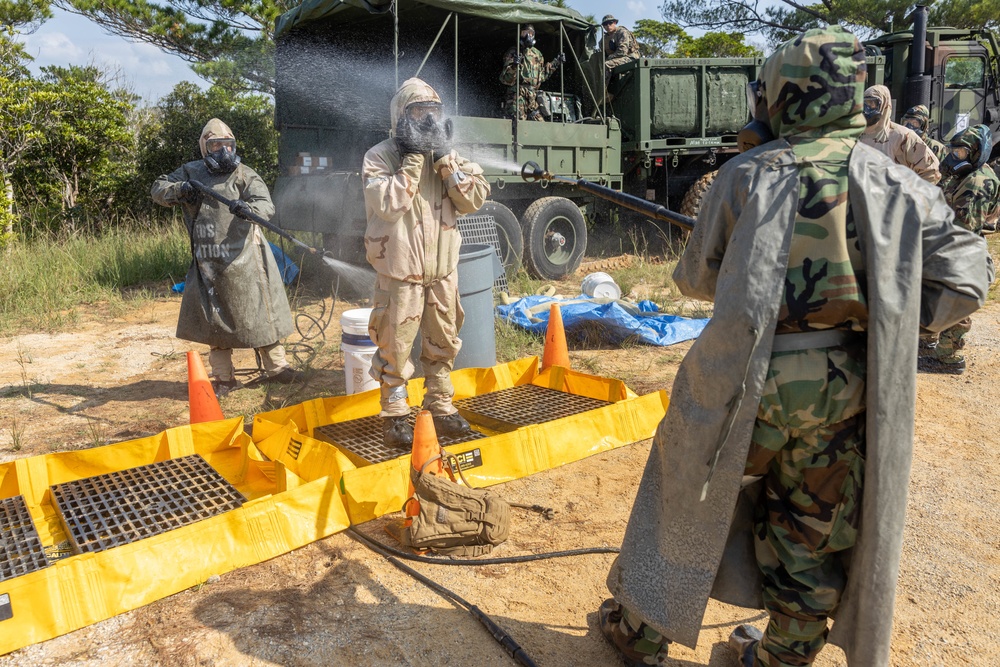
{"x":808,"y":443}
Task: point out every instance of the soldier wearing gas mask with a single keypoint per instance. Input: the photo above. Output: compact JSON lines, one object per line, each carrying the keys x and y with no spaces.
{"x":523,"y":100}
{"x":416,"y":186}
{"x":898,"y":142}
{"x":971,"y":188}
{"x":233,"y":294}
{"x":917,"y":118}
{"x":823,"y":259}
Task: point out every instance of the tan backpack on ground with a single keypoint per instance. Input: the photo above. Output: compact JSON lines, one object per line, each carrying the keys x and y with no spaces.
{"x":454,"y":520}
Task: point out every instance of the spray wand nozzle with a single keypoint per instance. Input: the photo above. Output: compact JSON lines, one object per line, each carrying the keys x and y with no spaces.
{"x":532,"y":173}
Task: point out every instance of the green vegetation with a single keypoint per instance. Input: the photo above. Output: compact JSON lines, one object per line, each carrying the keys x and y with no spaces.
{"x":48,"y":278}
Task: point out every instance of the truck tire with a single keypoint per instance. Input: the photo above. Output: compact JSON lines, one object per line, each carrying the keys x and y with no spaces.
{"x":555,"y":237}
{"x":692,"y":199}
{"x":509,"y":233}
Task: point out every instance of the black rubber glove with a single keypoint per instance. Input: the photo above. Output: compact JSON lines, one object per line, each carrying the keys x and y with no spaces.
{"x":405,"y":139}
{"x":442,"y":143}
{"x":189,"y":194}
{"x":518,"y":59}
{"x":240,"y":209}
{"x":560,"y":59}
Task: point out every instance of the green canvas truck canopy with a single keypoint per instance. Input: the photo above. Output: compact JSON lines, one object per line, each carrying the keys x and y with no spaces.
{"x":351,"y":10}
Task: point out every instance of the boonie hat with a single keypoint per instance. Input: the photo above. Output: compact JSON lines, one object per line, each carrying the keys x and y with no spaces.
{"x":608,"y":19}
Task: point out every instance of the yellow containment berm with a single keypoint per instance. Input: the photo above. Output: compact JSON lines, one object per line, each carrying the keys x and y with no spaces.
{"x":296,"y":488}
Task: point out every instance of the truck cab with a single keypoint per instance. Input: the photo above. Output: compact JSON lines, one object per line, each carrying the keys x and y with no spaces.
{"x":955,"y":74}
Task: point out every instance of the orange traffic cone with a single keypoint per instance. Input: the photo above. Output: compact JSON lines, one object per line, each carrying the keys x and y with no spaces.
{"x":425,"y":448}
{"x":555,"y":353}
{"x":201,"y":397}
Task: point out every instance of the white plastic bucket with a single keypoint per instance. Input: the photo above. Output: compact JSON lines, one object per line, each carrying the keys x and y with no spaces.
{"x":358,"y":350}
{"x":600,"y":286}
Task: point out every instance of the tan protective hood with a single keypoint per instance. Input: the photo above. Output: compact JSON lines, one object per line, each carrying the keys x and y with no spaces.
{"x":881,"y":128}
{"x":214,"y":129}
{"x":412,"y":90}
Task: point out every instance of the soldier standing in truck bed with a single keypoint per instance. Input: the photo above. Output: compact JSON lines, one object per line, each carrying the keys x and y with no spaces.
{"x":523,"y":96}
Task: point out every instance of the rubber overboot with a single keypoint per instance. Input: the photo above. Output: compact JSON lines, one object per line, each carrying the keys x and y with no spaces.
{"x":744,"y":640}
{"x":397,"y":432}
{"x":223,"y":387}
{"x":638,"y":643}
{"x":287,"y":375}
{"x":451,"y":426}
{"x":935,"y":365}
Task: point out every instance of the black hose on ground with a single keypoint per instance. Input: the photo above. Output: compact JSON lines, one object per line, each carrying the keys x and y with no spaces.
{"x":512,"y":648}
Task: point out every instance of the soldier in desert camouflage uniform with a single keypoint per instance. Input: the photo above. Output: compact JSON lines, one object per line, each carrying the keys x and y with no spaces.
{"x":916,"y":119}
{"x":892,"y":139}
{"x":783,"y":369}
{"x":522,"y":97}
{"x":971,"y":188}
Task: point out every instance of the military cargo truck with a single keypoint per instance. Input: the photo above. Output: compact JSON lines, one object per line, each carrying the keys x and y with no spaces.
{"x":660,"y":134}
{"x":339,"y":62}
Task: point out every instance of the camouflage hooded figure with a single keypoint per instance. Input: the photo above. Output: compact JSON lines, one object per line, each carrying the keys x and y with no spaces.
{"x":416,"y":186}
{"x":901,"y":144}
{"x":524,"y":70}
{"x":918,"y":118}
{"x":823,"y":258}
{"x":233,"y":293}
{"x":971,"y":188}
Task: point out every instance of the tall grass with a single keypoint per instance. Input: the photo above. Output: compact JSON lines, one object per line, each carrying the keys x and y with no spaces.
{"x":44,"y":280}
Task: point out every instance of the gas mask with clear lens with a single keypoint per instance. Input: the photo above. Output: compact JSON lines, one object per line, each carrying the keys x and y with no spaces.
{"x":423,"y":127}
{"x":957,"y":162}
{"x":527,"y":39}
{"x":914,"y":124}
{"x":872,"y":110}
{"x":220,"y":155}
{"x":758,"y":131}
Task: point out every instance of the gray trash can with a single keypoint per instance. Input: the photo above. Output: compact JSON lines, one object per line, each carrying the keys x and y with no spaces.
{"x":478,"y":267}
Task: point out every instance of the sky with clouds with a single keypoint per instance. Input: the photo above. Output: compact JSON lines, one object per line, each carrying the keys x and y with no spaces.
{"x":151,"y":73}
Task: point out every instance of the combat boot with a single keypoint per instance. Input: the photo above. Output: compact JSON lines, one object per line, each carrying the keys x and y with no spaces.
{"x":451,"y":426}
{"x":935,"y":365}
{"x":397,"y":432}
{"x":639,"y":644}
{"x":744,"y":640}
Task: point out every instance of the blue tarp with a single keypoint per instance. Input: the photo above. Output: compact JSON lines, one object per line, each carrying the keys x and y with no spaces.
{"x":286,"y":266}
{"x":620,"y":319}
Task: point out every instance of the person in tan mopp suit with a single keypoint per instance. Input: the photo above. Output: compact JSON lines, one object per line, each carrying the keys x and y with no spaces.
{"x":416,"y":186}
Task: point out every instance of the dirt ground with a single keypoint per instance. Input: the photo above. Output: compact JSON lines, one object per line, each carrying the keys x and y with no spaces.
{"x":335,"y":602}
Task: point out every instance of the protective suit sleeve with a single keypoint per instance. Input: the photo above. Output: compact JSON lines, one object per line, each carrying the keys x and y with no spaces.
{"x":254,"y":192}
{"x":957,"y":269}
{"x":921,"y":159}
{"x":469,"y":195}
{"x":697,"y":271}
{"x":389,"y":194}
{"x":508,"y":76}
{"x":166,"y":190}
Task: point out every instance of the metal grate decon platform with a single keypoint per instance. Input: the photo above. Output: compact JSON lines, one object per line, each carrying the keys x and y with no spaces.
{"x":129,"y":505}
{"x":363,"y":438}
{"x":479,"y":228}
{"x":21,"y":549}
{"x":511,"y":408}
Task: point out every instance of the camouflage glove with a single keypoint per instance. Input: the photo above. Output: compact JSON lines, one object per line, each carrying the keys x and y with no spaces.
{"x":240,"y":209}
{"x":188,"y":193}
